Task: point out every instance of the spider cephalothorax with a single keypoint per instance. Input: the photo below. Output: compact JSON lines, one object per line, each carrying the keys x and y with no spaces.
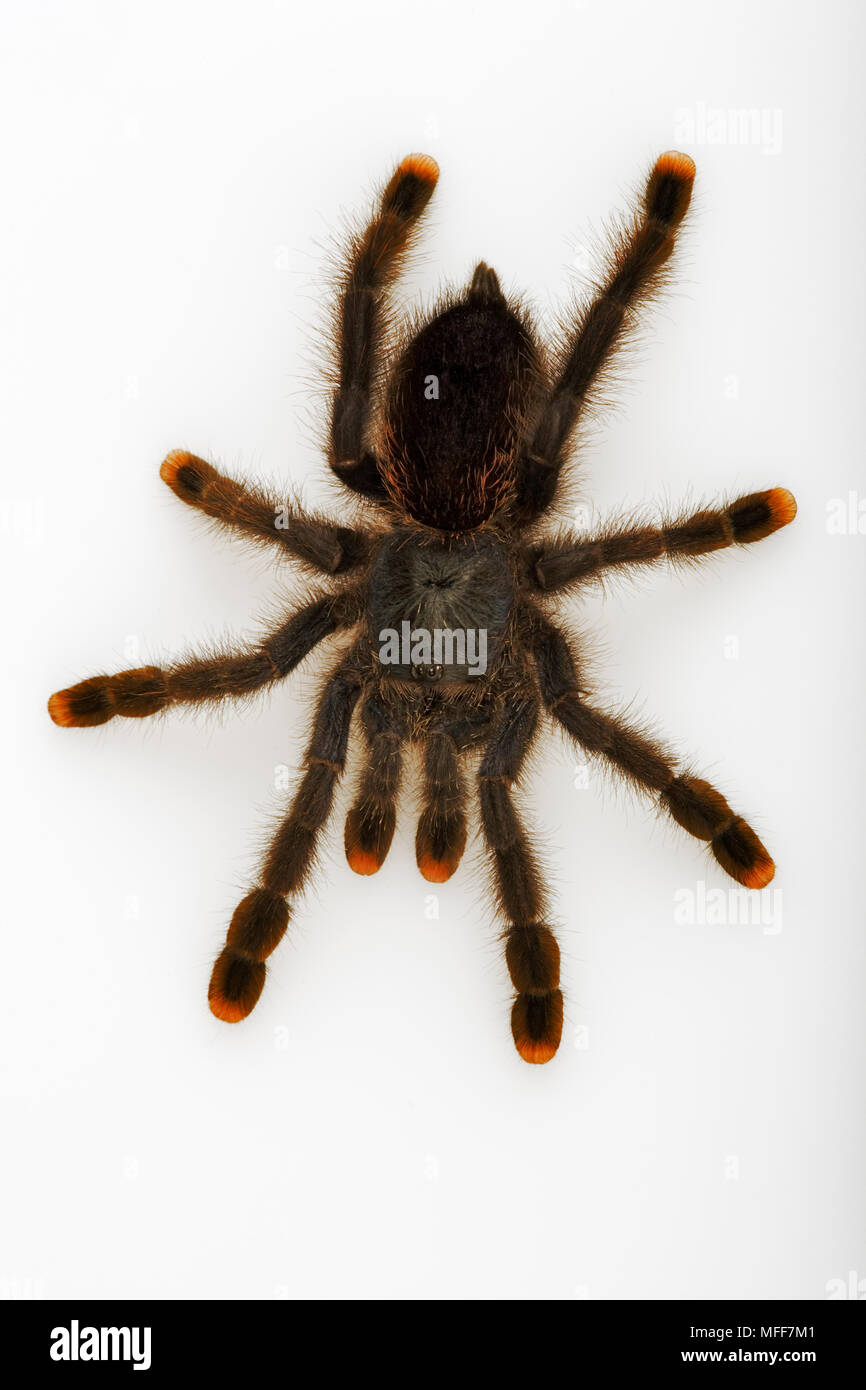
{"x":445,"y":596}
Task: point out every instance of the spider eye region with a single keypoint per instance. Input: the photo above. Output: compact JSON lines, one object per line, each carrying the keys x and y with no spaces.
{"x":433,"y":672}
{"x":438,"y":608}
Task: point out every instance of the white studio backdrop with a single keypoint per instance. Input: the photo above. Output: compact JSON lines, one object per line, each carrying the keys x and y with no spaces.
{"x":174,"y":175}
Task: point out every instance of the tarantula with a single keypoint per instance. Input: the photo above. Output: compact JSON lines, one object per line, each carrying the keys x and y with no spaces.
{"x":452,"y":442}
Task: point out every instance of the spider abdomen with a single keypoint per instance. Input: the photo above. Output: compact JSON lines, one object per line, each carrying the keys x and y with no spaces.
{"x":458,"y":397}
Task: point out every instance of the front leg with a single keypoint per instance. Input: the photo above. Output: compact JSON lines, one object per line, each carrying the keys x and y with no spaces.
{"x":637,"y":259}
{"x":205,"y":679}
{"x":261,"y":518}
{"x":561,"y":564}
{"x":374,"y":262}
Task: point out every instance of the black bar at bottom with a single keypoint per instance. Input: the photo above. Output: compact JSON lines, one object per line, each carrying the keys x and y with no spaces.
{"x":248,"y":1339}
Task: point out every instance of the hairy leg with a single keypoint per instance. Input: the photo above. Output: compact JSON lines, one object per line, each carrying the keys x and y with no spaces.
{"x":260,"y":919}
{"x":693,"y":803}
{"x":205,"y":679}
{"x":261,"y":518}
{"x":561,"y":564}
{"x":637,"y":258}
{"x":374,"y":262}
{"x":370,"y":823}
{"x":441,"y":835}
{"x":531,"y":951}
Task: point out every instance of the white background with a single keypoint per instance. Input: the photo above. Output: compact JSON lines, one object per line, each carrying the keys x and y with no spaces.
{"x":172,"y":177}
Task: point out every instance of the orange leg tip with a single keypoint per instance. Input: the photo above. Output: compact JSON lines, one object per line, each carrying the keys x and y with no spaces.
{"x":172,"y":464}
{"x":83,"y":706}
{"x":759,"y":874}
{"x":439,"y":844}
{"x":410,"y":189}
{"x":235,"y":986}
{"x":677,"y":165}
{"x":741,"y":854}
{"x":363,"y":861}
{"x":536,"y":1053}
{"x":782,"y":505}
{"x":422,"y":166}
{"x":669,"y":188}
{"x":58,"y":708}
{"x":227,"y":1010}
{"x":435,"y":870}
{"x":536,"y":1025}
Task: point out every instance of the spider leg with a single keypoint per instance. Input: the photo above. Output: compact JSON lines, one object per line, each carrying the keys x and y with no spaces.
{"x":441,"y":835}
{"x":370,"y":823}
{"x":693,"y":803}
{"x":204,"y":679}
{"x":374,"y":263}
{"x":531,"y":950}
{"x":260,"y":919}
{"x":637,"y":258}
{"x":261,"y":518}
{"x":564,"y":563}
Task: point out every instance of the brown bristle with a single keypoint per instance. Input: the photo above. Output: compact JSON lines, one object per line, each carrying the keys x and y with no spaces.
{"x":536,"y":1025}
{"x":696,"y":806}
{"x":235,"y":986}
{"x":532,"y":957}
{"x":258,"y":924}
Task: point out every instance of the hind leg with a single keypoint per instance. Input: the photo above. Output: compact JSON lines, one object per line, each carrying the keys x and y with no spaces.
{"x":531,"y":950}
{"x":692,"y":802}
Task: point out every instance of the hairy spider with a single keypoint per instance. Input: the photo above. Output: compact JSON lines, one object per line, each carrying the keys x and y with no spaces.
{"x":456,"y":458}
